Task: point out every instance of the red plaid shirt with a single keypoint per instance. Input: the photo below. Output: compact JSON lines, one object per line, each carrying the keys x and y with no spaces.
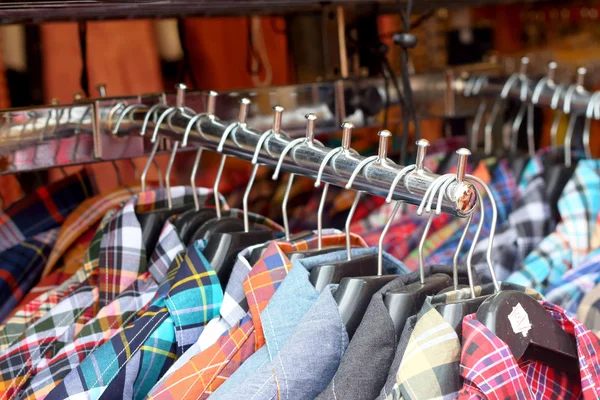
{"x":491,"y":372}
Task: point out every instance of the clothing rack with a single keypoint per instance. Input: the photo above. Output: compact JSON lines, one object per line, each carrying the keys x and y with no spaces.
{"x":111,"y":128}
{"x":548,"y":93}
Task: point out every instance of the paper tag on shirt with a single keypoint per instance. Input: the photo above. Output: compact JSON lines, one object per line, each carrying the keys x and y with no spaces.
{"x":519,"y":320}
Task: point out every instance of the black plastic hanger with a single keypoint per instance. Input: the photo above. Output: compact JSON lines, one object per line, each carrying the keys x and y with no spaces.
{"x":354,"y":293}
{"x":363,"y":266}
{"x":222,"y":247}
{"x":506,"y":314}
{"x":408,"y":300}
{"x":542,"y":339}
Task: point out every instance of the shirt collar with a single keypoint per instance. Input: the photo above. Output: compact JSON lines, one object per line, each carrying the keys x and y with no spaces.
{"x":84,"y":217}
{"x":430,"y":361}
{"x":485,"y":358}
{"x":194,"y":296}
{"x":122,"y":255}
{"x":44,"y":209}
{"x":273,"y":266}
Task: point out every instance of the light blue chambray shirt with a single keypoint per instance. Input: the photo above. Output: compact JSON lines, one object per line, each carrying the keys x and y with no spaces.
{"x":305,"y":337}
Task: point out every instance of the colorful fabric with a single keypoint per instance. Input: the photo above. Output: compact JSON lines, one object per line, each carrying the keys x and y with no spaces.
{"x":527,"y":225}
{"x":206,"y":371}
{"x":490,"y":371}
{"x":43,"y":210}
{"x":121,"y":259}
{"x":28,"y":231}
{"x":110,"y":320}
{"x":574,"y":285}
{"x":130,"y":363}
{"x":569,"y":244}
{"x":430,"y":364}
{"x":82,"y":222}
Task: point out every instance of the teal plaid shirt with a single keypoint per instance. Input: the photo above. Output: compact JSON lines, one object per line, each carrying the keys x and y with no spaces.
{"x":131,"y":362}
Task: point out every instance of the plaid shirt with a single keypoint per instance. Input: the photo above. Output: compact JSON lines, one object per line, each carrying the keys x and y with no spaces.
{"x":574,"y":285}
{"x":120,"y":261}
{"x":569,"y":244}
{"x":527,"y":225}
{"x":491,"y":371}
{"x":429,"y":366}
{"x":74,"y":233}
{"x":112,"y":318}
{"x":28,"y":230}
{"x":130,"y":363}
{"x":205,"y":372}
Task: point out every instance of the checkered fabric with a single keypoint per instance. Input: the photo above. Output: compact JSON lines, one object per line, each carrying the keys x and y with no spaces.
{"x":69,"y":248}
{"x":111,"y":319}
{"x":121,"y":259}
{"x":574,"y":285}
{"x":131,"y":362}
{"x":28,"y":231}
{"x":430,"y":365}
{"x":207,"y":371}
{"x":43,"y":210}
{"x":569,"y":244}
{"x":490,"y":371}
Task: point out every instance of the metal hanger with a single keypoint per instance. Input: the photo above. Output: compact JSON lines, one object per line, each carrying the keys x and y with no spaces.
{"x":354,"y":293}
{"x":575,"y":88}
{"x":514,"y":79}
{"x":368,"y":265}
{"x":592,"y":111}
{"x":190,"y":221}
{"x":536,"y":335}
{"x":308,"y":140}
{"x":152,"y":222}
{"x":408,"y":300}
{"x":225,"y":238}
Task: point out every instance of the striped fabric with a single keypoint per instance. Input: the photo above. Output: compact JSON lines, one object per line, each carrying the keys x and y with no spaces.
{"x":205,"y":372}
{"x":28,"y":231}
{"x":490,"y":371}
{"x":568,"y":246}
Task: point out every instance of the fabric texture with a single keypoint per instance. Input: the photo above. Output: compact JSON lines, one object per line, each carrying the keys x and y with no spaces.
{"x":569,"y":244}
{"x":573,"y":286}
{"x":491,"y":372}
{"x":28,"y":230}
{"x":130,"y":363}
{"x":121,"y":258}
{"x":206,"y":371}
{"x":295,"y":316}
{"x":371,"y":349}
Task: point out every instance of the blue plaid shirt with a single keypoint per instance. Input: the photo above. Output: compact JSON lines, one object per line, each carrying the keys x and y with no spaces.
{"x":133,"y":360}
{"x":574,"y":285}
{"x":28,"y":231}
{"x":568,"y":246}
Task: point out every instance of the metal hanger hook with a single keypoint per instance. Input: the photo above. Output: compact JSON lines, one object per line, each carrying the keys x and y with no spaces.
{"x":126,"y":111}
{"x":592,"y":111}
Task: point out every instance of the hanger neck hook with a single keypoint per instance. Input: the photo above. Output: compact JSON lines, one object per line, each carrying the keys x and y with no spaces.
{"x":308,"y":140}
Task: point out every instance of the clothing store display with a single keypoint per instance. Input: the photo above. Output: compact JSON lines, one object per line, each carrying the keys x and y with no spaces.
{"x":344,"y":247}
